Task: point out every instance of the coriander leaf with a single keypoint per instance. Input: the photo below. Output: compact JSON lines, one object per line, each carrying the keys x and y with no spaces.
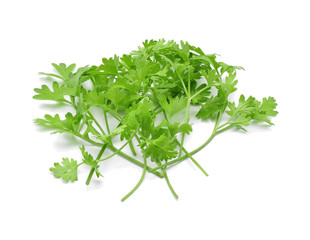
{"x":251,"y":109}
{"x":69,"y":124}
{"x":58,"y":94}
{"x":159,"y":149}
{"x":230,"y":84}
{"x":73,"y":80}
{"x":241,"y":115}
{"x":212,"y":106}
{"x":67,"y":170}
{"x":108,"y":137}
{"x":228,"y":68}
{"x":89,"y":160}
{"x":265,"y":110}
{"x":63,"y":70}
{"x":173,"y":105}
{"x":211,"y":77}
{"x":117,"y":96}
{"x":94,"y":98}
{"x":176,"y":128}
{"x":110,"y":66}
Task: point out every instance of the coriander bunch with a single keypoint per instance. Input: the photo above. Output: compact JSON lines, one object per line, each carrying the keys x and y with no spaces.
{"x":142,"y":91}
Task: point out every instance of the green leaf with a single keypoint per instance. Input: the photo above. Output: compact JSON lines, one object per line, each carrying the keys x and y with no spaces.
{"x":67,"y":170}
{"x":265,"y":110}
{"x":108,"y":137}
{"x":228,"y":68}
{"x":175,"y":128}
{"x":110,"y":66}
{"x":251,"y":109}
{"x":63,"y":70}
{"x":117,"y":96}
{"x":229,"y":86}
{"x":69,"y":124}
{"x":140,"y":116}
{"x":172,"y":105}
{"x":213,"y":106}
{"x":58,"y":93}
{"x":73,"y":80}
{"x":160,"y":149}
{"x":89,"y":160}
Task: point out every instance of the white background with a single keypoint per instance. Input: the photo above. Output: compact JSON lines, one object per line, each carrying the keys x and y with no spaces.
{"x":259,"y":182}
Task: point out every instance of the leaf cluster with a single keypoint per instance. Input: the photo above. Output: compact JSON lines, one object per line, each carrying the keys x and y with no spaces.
{"x":142,"y":92}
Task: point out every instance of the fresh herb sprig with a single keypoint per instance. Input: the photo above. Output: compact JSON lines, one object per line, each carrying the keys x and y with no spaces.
{"x":142,"y":91}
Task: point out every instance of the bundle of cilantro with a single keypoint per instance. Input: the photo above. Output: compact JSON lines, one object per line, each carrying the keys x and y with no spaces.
{"x":155,"y":82}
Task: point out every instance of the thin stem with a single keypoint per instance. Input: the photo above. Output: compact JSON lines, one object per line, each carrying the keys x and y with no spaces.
{"x":214,"y":133}
{"x":186,"y":121}
{"x":169,"y":184}
{"x":118,"y":150}
{"x":188,"y":82}
{"x":97,"y":158}
{"x":120,"y":153}
{"x":66,"y":101}
{"x":180,"y":159}
{"x":172,"y":64}
{"x":193,"y":160}
{"x":90,"y":175}
{"x":224,"y":129}
{"x":73,"y":101}
{"x":106,"y":121}
{"x":163,"y":168}
{"x":159,"y":111}
{"x":138,"y":184}
{"x":88,"y":140}
{"x":165,"y":115}
{"x":114,"y":114}
{"x":81,"y":125}
{"x":124,"y":155}
{"x":155,"y":109}
{"x":132,"y":148}
{"x":201,"y":90}
{"x":96,"y":122}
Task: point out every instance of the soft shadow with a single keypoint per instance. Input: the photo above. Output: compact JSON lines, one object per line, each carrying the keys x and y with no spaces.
{"x":258,"y":127}
{"x":52,"y":106}
{"x":95,"y":184}
{"x":67,"y":141}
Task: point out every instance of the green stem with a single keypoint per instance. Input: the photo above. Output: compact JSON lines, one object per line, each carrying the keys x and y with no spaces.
{"x":169,"y":184}
{"x":201,"y":90}
{"x":172,"y":64}
{"x":97,"y":158}
{"x":214,"y":133}
{"x":73,"y":101}
{"x":96,"y":122}
{"x":224,"y":129}
{"x":155,"y":109}
{"x":159,"y":111}
{"x":120,"y":153}
{"x":132,"y":148}
{"x":186,"y":121}
{"x":113,"y":113}
{"x":138,"y":184}
{"x":81,"y":125}
{"x":118,"y":150}
{"x":66,"y":101}
{"x":90,"y":175}
{"x":194,"y":161}
{"x":163,"y":168}
{"x":106,"y":121}
{"x":124,"y":155}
